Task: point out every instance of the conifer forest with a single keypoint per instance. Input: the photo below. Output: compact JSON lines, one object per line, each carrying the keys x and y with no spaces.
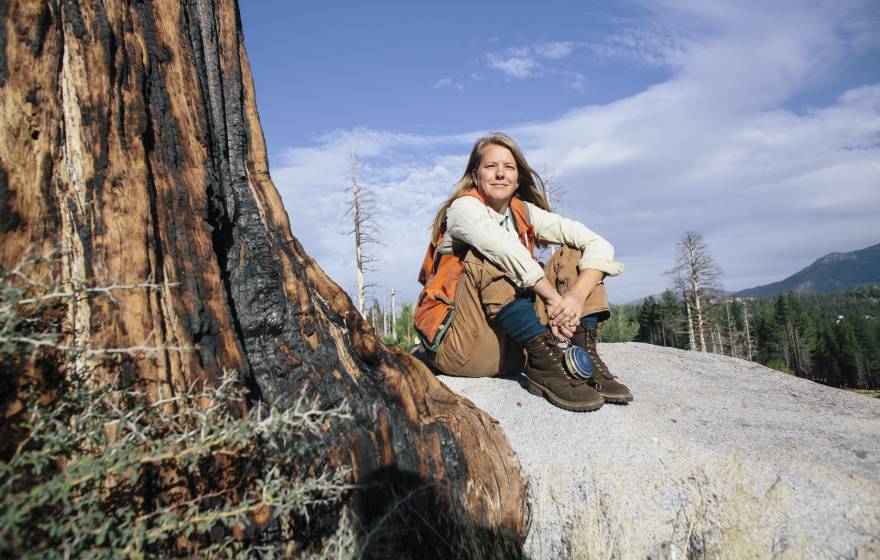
{"x":833,"y":339}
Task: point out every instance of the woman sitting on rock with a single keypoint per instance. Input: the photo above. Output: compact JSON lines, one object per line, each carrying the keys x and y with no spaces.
{"x":478,"y":310}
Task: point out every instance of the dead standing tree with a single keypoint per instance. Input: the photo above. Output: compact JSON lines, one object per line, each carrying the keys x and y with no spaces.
{"x":130,"y":143}
{"x":745,"y":307}
{"x":553,"y":189}
{"x":554,"y":193}
{"x":696,"y":275}
{"x":362,"y":209}
{"x":393,"y":313}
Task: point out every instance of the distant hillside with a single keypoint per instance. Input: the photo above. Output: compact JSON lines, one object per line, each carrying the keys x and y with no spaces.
{"x":832,"y":273}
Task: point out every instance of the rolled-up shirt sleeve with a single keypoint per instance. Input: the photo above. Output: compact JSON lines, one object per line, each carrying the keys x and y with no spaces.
{"x":468,"y":221}
{"x":597,"y":253}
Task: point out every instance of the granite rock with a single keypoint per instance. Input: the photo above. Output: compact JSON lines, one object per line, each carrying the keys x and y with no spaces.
{"x":716,"y":456}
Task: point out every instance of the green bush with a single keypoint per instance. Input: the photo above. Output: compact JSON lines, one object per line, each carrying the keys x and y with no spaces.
{"x":779,"y":365}
{"x":102,"y":472}
{"x":89,"y":469}
{"x":621,"y":327}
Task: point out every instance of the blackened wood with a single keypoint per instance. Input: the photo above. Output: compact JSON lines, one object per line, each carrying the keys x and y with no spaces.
{"x":130,"y":141}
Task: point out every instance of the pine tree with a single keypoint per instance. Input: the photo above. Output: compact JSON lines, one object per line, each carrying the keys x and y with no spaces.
{"x":404,"y":329}
{"x":796,"y":333}
{"x":621,"y":327}
{"x":732,"y":333}
{"x":672,"y":318}
{"x":826,"y":358}
{"x":375,"y":315}
{"x":649,"y":321}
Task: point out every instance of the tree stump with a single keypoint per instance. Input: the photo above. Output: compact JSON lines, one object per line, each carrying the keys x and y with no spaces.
{"x":130,"y":142}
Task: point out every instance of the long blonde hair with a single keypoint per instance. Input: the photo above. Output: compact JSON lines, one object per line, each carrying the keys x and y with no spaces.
{"x":530,"y":188}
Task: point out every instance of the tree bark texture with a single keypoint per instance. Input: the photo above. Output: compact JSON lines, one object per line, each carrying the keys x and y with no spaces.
{"x":130,"y":142}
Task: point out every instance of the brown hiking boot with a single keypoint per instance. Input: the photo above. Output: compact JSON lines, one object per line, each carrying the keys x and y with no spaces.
{"x":546,"y":376}
{"x":611,"y":390}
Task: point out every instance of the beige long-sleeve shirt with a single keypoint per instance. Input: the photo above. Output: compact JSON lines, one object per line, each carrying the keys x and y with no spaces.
{"x":470,"y":222}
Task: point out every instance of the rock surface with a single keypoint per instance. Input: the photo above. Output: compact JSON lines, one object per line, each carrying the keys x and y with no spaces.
{"x":714,"y":455}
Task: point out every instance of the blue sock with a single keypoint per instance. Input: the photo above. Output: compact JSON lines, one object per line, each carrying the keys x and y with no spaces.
{"x":519,"y":320}
{"x":590,"y":321}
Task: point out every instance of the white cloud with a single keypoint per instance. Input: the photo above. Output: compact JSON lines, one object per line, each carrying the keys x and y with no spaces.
{"x":531,"y":60}
{"x":553,"y":50}
{"x":409,"y":176}
{"x":448,"y":82}
{"x":574,"y":80}
{"x":713,"y":148}
{"x":513,"y":66}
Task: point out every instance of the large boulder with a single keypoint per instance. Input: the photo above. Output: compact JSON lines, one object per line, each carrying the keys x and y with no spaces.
{"x":716,"y":456}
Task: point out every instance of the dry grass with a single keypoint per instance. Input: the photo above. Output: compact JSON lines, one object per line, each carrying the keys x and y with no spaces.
{"x":867,"y":392}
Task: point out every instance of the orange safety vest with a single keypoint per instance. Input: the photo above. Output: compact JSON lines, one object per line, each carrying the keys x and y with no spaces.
{"x":441,"y":271}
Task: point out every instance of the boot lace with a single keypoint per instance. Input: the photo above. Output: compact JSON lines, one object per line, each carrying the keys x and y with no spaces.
{"x":592,"y":336}
{"x":556,"y":351}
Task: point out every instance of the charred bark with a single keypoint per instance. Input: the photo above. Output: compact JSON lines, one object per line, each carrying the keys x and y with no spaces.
{"x":130,"y":141}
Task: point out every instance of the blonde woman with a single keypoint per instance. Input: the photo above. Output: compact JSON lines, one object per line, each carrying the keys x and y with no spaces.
{"x":486,"y":299}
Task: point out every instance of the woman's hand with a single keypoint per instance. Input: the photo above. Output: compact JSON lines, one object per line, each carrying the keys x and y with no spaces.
{"x":565,"y":316}
{"x":562,"y":332}
{"x":559,"y":309}
{"x":567,"y":311}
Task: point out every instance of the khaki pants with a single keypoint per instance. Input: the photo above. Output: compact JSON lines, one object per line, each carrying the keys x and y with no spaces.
{"x":474,"y":346}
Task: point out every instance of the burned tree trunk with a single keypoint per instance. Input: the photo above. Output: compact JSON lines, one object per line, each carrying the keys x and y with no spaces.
{"x":130,"y":141}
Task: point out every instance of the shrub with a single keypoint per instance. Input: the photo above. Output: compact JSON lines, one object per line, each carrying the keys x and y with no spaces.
{"x":103,"y":472}
{"x":95,"y":469}
{"x":620,"y":327}
{"x":779,"y":365}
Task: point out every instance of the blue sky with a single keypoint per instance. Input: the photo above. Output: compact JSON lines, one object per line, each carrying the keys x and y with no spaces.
{"x":756,"y":123}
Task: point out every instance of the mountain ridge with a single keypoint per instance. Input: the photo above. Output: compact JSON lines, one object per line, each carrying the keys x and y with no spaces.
{"x":833,"y":272}
{"x":830,"y":273}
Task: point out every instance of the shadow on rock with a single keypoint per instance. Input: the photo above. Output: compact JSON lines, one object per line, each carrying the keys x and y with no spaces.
{"x":406,"y":516}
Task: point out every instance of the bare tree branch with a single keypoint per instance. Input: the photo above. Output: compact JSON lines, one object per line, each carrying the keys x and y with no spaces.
{"x":362,"y":210}
{"x":554,"y":191}
{"x":695,"y":276}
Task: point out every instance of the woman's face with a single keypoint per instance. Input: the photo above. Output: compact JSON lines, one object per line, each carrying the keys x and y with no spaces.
{"x":497,"y":177}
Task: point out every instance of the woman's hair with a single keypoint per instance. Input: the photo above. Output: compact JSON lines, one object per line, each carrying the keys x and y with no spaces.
{"x":530,"y":188}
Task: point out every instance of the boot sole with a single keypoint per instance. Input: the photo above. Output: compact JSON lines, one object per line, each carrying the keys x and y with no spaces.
{"x":617,"y":399}
{"x":541,"y":391}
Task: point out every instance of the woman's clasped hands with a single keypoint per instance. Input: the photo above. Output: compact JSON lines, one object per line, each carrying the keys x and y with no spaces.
{"x":565,"y":314}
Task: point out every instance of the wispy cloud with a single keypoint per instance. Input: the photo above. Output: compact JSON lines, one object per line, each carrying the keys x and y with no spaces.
{"x":712,"y":148}
{"x":528,"y":61}
{"x":652,"y":47}
{"x":448,"y":82}
{"x":513,"y":66}
{"x":573,"y":80}
{"x":553,"y":50}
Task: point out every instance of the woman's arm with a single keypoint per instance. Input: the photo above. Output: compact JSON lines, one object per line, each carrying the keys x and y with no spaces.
{"x":565,"y":311}
{"x":469,"y":222}
{"x":597,"y":261}
{"x":552,"y":300}
{"x":597,"y":253}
